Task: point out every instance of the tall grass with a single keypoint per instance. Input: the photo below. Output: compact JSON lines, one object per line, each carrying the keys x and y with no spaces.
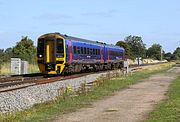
{"x":33,"y":68}
{"x":6,"y":69}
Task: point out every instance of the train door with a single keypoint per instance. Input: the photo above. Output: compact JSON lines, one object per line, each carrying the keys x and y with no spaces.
{"x":105,"y":54}
{"x":69,"y":51}
{"x":102,"y":52}
{"x":50,"y":51}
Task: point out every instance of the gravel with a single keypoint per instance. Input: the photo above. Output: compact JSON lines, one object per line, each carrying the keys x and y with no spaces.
{"x":21,"y":99}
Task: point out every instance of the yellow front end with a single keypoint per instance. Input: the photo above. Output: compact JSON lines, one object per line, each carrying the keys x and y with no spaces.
{"x":51,"y":54}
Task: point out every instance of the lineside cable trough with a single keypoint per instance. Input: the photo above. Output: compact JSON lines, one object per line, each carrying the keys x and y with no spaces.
{"x":19,"y":66}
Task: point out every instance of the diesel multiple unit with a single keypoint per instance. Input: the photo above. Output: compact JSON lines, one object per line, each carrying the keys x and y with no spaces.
{"x":59,"y":54}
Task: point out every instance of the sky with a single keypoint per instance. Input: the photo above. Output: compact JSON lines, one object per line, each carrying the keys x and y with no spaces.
{"x":156,"y":21}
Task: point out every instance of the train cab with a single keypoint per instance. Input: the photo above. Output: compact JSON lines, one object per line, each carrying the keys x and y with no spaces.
{"x":51,"y":54}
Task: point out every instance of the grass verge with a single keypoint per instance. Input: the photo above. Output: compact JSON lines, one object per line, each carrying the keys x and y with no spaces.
{"x":48,"y":111}
{"x":168,"y":110}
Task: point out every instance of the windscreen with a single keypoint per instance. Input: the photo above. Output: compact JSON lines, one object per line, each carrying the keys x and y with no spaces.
{"x":40,"y":48}
{"x":59,"y":47}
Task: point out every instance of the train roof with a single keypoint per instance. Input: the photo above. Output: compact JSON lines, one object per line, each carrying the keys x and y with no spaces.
{"x":85,"y":40}
{"x":80,"y":39}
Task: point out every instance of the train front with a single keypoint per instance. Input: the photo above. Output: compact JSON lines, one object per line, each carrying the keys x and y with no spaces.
{"x":51,"y":53}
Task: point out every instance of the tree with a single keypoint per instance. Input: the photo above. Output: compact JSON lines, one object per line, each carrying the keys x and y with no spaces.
{"x":1,"y":58}
{"x":177,"y":53}
{"x":136,"y":45}
{"x":155,"y":52}
{"x":169,"y":56}
{"x":8,"y":54}
{"x":1,"y":53}
{"x":25,"y":50}
{"x":126,"y":47}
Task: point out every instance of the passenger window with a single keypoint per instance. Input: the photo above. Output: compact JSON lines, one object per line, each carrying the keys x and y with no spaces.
{"x":98,"y":51}
{"x":121,"y":53}
{"x":91,"y":51}
{"x":94,"y":52}
{"x":82,"y":51}
{"x":78,"y":50}
{"x":74,"y":48}
{"x":88,"y":51}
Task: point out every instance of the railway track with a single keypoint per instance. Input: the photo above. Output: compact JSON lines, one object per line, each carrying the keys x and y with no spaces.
{"x":11,"y":83}
{"x":18,"y":82}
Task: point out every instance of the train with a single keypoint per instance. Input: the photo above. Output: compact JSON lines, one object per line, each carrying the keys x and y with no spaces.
{"x":59,"y":54}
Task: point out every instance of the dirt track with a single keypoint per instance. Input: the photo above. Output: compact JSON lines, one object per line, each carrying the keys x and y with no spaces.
{"x":128,"y":105}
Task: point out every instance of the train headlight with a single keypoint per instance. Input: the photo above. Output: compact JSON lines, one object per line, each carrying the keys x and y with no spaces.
{"x":40,"y":56}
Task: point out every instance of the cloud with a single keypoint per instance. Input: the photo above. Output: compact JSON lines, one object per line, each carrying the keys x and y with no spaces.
{"x":108,"y":13}
{"x":52,"y":16}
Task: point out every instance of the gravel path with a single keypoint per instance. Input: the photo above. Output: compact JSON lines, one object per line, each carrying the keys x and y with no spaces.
{"x":130,"y":105}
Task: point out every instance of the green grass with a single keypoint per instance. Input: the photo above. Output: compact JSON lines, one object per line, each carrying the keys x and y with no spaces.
{"x":48,"y":111}
{"x":168,"y":110}
{"x":5,"y":69}
{"x":33,"y":68}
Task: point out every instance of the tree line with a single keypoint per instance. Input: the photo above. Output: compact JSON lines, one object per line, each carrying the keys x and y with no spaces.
{"x":135,"y":48}
{"x":23,"y":49}
{"x":133,"y":45}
